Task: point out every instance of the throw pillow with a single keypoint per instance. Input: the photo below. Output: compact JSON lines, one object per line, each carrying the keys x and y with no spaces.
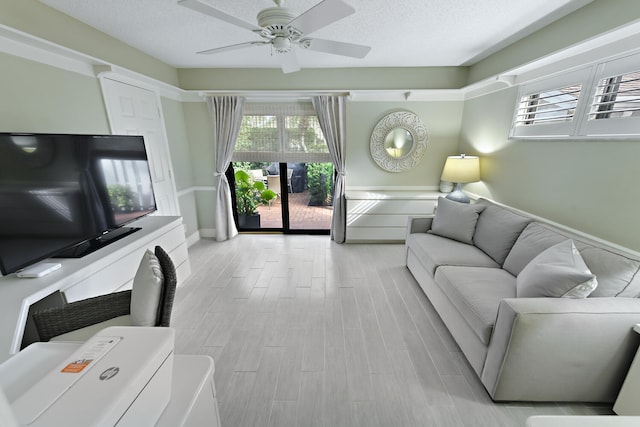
{"x":497,"y":230}
{"x":455,"y":220}
{"x":146,"y":291}
{"x":559,"y":271}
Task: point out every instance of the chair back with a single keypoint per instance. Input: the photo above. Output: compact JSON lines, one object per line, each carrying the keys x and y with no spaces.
{"x":168,"y":289}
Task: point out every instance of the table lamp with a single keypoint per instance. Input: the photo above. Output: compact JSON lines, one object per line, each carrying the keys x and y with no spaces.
{"x":459,"y":170}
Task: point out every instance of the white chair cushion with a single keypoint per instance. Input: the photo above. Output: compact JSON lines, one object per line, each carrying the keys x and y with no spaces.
{"x":146,"y":291}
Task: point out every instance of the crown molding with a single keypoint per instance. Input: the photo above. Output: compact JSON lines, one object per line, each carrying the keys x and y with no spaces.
{"x":32,"y":48}
{"x":27,"y":46}
{"x":408,"y":95}
{"x":612,"y":44}
{"x":140,"y":80}
{"x":617,"y":42}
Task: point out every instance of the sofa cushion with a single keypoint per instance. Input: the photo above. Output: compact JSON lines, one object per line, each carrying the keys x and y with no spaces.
{"x":476,"y":293}
{"x":497,"y":230}
{"x":615,"y":272}
{"x":558,"y":271}
{"x":455,"y":220}
{"x":534,"y":239}
{"x":434,"y":251}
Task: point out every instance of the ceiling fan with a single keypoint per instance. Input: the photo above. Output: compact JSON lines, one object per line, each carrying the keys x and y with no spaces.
{"x":281,"y":28}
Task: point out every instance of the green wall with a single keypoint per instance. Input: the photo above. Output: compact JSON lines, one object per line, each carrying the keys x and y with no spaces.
{"x":582,"y":184}
{"x":40,"y":98}
{"x":586,"y":185}
{"x":596,"y":18}
{"x":179,"y":148}
{"x":38,"y":19}
{"x":176,"y":127}
{"x":202,"y":153}
{"x":323,"y":79}
{"x":442,"y":120}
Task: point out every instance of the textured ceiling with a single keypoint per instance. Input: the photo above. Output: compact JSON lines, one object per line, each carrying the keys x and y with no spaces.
{"x":402,"y":33}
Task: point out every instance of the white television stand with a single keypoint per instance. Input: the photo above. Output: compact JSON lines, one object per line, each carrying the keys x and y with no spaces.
{"x":106,"y":270}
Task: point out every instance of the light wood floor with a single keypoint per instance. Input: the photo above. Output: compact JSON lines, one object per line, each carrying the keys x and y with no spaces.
{"x":306,"y":332}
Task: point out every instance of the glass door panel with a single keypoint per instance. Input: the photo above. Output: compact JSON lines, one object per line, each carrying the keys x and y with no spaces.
{"x":256,"y":197}
{"x":286,"y":197}
{"x":310,"y":205}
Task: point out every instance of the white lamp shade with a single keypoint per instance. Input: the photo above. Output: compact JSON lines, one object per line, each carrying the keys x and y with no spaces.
{"x":461,"y":169}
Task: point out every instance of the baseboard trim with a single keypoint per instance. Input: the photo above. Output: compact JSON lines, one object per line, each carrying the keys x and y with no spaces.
{"x":208,"y":232}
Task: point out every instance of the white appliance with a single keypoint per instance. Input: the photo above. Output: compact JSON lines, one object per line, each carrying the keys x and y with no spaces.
{"x":122,"y":376}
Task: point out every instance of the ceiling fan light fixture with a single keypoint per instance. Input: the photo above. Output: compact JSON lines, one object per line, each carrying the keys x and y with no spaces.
{"x":282,"y":44}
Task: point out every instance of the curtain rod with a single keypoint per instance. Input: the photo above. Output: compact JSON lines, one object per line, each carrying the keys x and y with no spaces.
{"x":271,"y":94}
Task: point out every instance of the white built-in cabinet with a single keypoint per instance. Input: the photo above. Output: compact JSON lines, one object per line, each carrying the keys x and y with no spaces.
{"x":381,"y":216}
{"x":106,"y":270}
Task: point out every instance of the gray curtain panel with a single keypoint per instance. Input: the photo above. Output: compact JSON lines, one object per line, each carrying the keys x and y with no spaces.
{"x":226,"y":114}
{"x":331,"y":115}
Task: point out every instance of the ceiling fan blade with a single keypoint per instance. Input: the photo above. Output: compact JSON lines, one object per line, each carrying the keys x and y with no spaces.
{"x":206,"y":9}
{"x":321,"y":15}
{"x":339,"y":48}
{"x":230,"y":47}
{"x":289,"y":62}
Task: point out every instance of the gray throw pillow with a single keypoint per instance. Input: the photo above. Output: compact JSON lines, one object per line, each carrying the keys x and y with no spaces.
{"x":146,"y":291}
{"x":534,"y":239}
{"x":455,"y":220}
{"x":559,"y":271}
{"x":497,"y":230}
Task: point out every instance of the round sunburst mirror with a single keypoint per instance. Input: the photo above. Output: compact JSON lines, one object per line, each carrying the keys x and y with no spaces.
{"x":398,"y":141}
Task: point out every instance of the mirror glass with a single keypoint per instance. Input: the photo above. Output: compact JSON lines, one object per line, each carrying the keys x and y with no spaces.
{"x":398,"y":142}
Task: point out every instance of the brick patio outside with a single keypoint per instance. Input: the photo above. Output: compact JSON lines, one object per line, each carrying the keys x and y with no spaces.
{"x":301,"y":215}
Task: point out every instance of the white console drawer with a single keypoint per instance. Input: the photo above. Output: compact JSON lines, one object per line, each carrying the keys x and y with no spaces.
{"x":381,"y":216}
{"x":392,"y":206}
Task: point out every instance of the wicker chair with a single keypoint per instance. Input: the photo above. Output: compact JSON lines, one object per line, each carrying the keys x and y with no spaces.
{"x":53,"y":322}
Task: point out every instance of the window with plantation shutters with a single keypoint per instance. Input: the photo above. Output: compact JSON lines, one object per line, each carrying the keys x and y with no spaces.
{"x":617,"y":97}
{"x":602,"y":100}
{"x":551,"y":106}
{"x":280,"y":132}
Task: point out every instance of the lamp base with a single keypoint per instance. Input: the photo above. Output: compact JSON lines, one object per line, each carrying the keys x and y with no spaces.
{"x":457,"y":195}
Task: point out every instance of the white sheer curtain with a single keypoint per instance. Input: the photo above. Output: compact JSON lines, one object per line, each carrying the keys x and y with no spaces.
{"x":226,"y":114}
{"x":332,"y":118}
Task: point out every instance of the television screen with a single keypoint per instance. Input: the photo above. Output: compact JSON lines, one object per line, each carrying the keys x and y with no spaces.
{"x":58,"y":191}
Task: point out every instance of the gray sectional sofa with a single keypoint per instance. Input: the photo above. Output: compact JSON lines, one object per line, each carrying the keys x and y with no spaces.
{"x":537,"y":319}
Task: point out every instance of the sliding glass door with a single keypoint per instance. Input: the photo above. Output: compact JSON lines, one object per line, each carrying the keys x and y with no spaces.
{"x":282,"y":197}
{"x":282,"y":153}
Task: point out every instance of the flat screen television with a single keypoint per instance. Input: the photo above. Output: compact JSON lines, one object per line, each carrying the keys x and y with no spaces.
{"x":68,"y":195}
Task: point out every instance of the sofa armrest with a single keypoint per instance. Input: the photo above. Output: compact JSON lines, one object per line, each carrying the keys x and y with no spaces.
{"x":579,"y":348}
{"x":416,"y":224}
{"x":419,"y":224}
